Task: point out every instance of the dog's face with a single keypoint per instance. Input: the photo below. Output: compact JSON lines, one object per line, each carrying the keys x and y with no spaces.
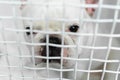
{"x":57,"y":26}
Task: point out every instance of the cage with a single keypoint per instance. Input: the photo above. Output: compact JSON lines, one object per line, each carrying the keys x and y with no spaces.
{"x":59,"y":39}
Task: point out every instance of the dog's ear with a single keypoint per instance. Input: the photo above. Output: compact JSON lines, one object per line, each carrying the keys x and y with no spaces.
{"x":22,"y":5}
{"x":91,"y":10}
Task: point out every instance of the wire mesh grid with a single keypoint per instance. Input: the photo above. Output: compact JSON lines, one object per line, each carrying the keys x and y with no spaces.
{"x":59,"y":40}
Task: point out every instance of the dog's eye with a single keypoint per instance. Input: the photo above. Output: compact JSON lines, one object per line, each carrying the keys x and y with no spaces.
{"x":73,"y":28}
{"x":28,"y":32}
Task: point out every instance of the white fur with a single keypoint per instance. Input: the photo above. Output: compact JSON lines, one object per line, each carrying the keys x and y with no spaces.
{"x":69,"y":14}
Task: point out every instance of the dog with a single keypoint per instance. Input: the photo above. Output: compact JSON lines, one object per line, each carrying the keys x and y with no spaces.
{"x":68,"y":12}
{"x":50,"y":14}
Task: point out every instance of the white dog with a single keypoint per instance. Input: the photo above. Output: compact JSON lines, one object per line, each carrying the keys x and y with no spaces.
{"x":63,"y":10}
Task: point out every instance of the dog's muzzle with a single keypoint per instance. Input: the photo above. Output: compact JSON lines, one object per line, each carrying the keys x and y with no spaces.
{"x":53,"y":51}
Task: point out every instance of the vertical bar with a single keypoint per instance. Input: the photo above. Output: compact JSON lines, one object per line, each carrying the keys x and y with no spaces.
{"x":95,"y":37}
{"x":111,"y":38}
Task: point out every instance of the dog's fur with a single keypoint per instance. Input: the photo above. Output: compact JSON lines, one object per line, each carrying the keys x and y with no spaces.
{"x":69,"y":13}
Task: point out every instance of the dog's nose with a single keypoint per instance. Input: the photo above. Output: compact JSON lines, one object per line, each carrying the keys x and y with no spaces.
{"x":54,"y":40}
{"x":53,"y":51}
